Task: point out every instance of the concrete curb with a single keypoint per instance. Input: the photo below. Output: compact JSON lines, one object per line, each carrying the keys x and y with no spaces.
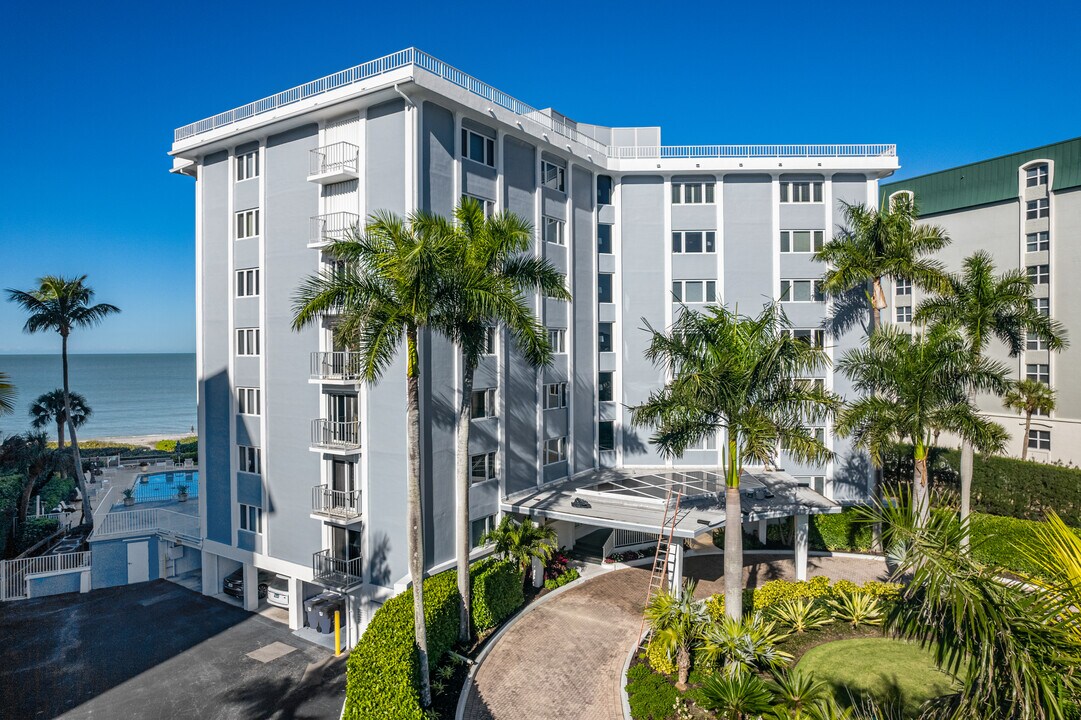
{"x":623,"y":698}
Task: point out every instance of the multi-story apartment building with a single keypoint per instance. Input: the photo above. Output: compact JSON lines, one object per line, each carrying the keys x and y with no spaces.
{"x":1025,"y":210}
{"x":303,"y":466}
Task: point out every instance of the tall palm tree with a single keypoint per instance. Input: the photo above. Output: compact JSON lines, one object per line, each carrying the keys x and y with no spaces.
{"x":49,"y":408}
{"x":983,"y":306}
{"x":876,"y":245}
{"x":494,"y":247}
{"x":1029,"y":397}
{"x":677,"y":621}
{"x":7,"y":395}
{"x":913,"y":386}
{"x":63,"y":305}
{"x":399,"y":278}
{"x":738,"y":374}
{"x":522,"y":541}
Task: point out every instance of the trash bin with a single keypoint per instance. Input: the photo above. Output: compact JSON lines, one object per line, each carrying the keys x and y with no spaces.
{"x":326,"y":612}
{"x":311,"y":610}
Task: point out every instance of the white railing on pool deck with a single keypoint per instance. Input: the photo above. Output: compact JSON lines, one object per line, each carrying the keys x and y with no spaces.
{"x":631,"y":538}
{"x":147,"y":521}
{"x":661,"y":152}
{"x":13,"y":573}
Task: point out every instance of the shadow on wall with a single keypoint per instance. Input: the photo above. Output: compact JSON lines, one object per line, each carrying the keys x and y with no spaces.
{"x":378,"y":566}
{"x":851,"y":477}
{"x":850,"y":310}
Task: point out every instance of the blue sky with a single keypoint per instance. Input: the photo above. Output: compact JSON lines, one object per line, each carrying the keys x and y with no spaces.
{"x":92,"y":91}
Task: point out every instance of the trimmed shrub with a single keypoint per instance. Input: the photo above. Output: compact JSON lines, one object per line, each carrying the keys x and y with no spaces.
{"x":650,"y":696}
{"x":841,"y":532}
{"x":561,"y":580}
{"x":55,"y":491}
{"x":715,"y":603}
{"x":775,"y":591}
{"x":497,"y":592}
{"x":1001,"y":541}
{"x":659,"y":659}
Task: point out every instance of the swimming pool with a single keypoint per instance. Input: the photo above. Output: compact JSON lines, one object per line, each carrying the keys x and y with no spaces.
{"x":163,"y":485}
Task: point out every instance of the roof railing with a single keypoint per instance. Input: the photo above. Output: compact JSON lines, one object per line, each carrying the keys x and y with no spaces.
{"x":662,"y":152}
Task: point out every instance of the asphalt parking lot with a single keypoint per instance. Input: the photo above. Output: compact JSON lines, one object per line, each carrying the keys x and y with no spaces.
{"x":158,"y":650}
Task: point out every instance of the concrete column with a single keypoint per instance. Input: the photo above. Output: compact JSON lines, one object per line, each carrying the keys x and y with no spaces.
{"x":801,"y":534}
{"x":675,"y":565}
{"x":296,"y":603}
{"x":538,"y":573}
{"x":210,"y":574}
{"x":251,"y":587}
{"x":762,"y":531}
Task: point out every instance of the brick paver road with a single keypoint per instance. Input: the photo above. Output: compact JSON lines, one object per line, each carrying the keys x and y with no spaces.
{"x":563,"y":660}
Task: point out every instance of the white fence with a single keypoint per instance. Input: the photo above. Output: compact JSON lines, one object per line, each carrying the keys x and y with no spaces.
{"x":14,"y":573}
{"x":147,"y":521}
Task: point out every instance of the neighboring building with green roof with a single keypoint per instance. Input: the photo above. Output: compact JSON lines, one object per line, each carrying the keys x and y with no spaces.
{"x":1025,"y":209}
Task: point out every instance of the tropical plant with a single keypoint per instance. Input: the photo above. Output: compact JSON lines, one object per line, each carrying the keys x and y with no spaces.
{"x":128,"y":493}
{"x":7,"y":395}
{"x":49,"y":408}
{"x":1056,"y":552}
{"x":857,"y":608}
{"x":676,"y":620}
{"x":64,"y":305}
{"x":1029,"y":397}
{"x":738,"y":374}
{"x":494,"y":247}
{"x":798,"y":693}
{"x":744,"y":644}
{"x":914,"y":386}
{"x":522,"y":541}
{"x":397,"y":279}
{"x":737,"y":695}
{"x":30,"y":454}
{"x":800,"y":615}
{"x":983,"y":306}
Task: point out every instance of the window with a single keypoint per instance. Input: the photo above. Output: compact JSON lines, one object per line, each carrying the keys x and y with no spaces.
{"x":250,"y":459}
{"x":802,"y":291}
{"x":692,"y":193}
{"x":247,"y":341}
{"x":489,"y":340}
{"x":605,"y":387}
{"x":487,"y":206}
{"x":818,"y":433}
{"x":604,"y":337}
{"x":1039,"y":439}
{"x":553,"y":231}
{"x":247,"y":401}
{"x":1036,"y":175}
{"x":696,"y":241}
{"x":901,"y":286}
{"x":482,"y":467}
{"x":801,"y":241}
{"x":812,"y":383}
{"x":1039,"y":274}
{"x":247,"y":224}
{"x":904,"y":313}
{"x":555,"y":450}
{"x":801,"y":192}
{"x":604,"y":239}
{"x":604,"y":287}
{"x":562,"y":282}
{"x":813,"y":337}
{"x":555,"y":396}
{"x":695,"y":291}
{"x":1034,"y":343}
{"x":1036,"y":209}
{"x":1042,"y":306}
{"x":553,"y":176}
{"x":557,"y":339}
{"x":1037,"y":241}
{"x":247,"y":282}
{"x":247,"y":166}
{"x":709,"y":442}
{"x":604,"y":190}
{"x":606,"y":435}
{"x":479,"y":528}
{"x":482,"y":404}
{"x":251,"y":518}
{"x":1039,"y":372}
{"x":478,"y":148}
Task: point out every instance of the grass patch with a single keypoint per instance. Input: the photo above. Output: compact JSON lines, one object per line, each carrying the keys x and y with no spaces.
{"x":891,"y":672}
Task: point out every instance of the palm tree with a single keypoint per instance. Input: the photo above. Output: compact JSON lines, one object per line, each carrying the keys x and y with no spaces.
{"x":1029,"y":397}
{"x":63,"y":305}
{"x":7,"y":395}
{"x":913,"y":386}
{"x":30,"y":453}
{"x":738,"y":374}
{"x":1055,"y":550}
{"x":494,"y":247}
{"x":879,"y":244}
{"x":522,"y":541}
{"x":677,"y":621}
{"x":985,"y":306}
{"x":49,"y":408}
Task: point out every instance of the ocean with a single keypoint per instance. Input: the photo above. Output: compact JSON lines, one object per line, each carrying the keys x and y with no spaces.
{"x":129,"y":394}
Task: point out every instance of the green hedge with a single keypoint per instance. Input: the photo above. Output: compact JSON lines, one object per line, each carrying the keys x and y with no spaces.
{"x":57,"y":489}
{"x":497,"y":592}
{"x":650,"y":695}
{"x":1001,"y":541}
{"x":34,"y":530}
{"x":841,"y":532}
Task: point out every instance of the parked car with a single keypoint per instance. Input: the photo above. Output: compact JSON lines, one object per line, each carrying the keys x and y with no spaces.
{"x":278,"y":592}
{"x":234,"y":583}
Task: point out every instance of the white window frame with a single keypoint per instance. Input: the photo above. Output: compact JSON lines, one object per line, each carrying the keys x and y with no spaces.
{"x":1042,"y":306}
{"x":553,"y":176}
{"x":707,"y":442}
{"x":787,"y":290}
{"x":611,"y":336}
{"x":1038,"y":241}
{"x":708,"y":239}
{"x":555,"y":396}
{"x":1033,"y":342}
{"x":555,"y":450}
{"x":600,"y":447}
{"x":792,"y":191}
{"x":247,"y":166}
{"x":611,"y":384}
{"x":1039,"y":274}
{"x":1039,"y":439}
{"x":902,"y":287}
{"x":486,"y":205}
{"x":1040,"y":372}
{"x":247,"y":282}
{"x":815,"y":240}
{"x":694,"y":193}
{"x":554,"y":230}
{"x":491,"y":341}
{"x":247,"y":224}
{"x":818,"y":431}
{"x":903,"y":314}
{"x":249,"y":401}
{"x":248,"y":342}
{"x":557,"y":339}
{"x":487,"y":143}
{"x":815,"y":336}
{"x":488,"y":404}
{"x":1037,"y":209}
{"x":611,"y":287}
{"x":1037,"y":175}
{"x":251,"y":518}
{"x":489,"y":466}
{"x":679,"y":292}
{"x":489,"y":524}
{"x":250,"y":457}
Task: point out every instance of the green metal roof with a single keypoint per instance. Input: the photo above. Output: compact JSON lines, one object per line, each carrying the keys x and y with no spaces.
{"x":987,"y":181}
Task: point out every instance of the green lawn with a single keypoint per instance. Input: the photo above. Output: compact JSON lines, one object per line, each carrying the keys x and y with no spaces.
{"x":889,"y":671}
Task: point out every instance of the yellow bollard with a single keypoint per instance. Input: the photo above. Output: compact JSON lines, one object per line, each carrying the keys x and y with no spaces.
{"x":337,"y":632}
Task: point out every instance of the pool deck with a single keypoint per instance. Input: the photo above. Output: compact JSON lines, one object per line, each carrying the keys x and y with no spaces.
{"x":109,"y":498}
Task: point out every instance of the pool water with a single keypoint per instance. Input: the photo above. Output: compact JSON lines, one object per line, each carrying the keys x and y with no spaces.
{"x":162,"y":486}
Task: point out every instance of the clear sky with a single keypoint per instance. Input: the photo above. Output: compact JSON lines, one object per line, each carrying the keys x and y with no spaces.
{"x":90,"y":93}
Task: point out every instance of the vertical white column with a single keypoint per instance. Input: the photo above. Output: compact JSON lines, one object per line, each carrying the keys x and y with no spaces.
{"x":296,"y":603}
{"x":801,"y":533}
{"x":210,"y":575}
{"x":762,"y":524}
{"x":251,"y":587}
{"x":675,"y":565}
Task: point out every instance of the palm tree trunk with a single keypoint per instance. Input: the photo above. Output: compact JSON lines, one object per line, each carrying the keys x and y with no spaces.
{"x":80,"y":478}
{"x":461,"y":498}
{"x":878,"y":301}
{"x":920,"y":488}
{"x":733,"y":538}
{"x":1024,"y":439}
{"x":59,"y":434}
{"x":415,"y":529}
{"x":683,"y":664}
{"x":966,"y":488}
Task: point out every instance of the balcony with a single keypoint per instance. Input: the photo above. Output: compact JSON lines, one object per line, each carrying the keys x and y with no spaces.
{"x":342,"y":505}
{"x":325,"y":229}
{"x":334,"y":163}
{"x":341,"y":368}
{"x":335,"y":573}
{"x":342,"y":438}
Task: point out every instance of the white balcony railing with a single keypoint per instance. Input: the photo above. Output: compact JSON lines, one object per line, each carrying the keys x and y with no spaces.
{"x":341,"y":365}
{"x":336,"y":572}
{"x":336,"y":435}
{"x":324,"y":229}
{"x":340,"y":159}
{"x":344,"y":504}
{"x":147,"y":521}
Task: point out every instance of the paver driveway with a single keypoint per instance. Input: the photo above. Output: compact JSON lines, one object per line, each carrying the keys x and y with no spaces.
{"x":564,"y":659}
